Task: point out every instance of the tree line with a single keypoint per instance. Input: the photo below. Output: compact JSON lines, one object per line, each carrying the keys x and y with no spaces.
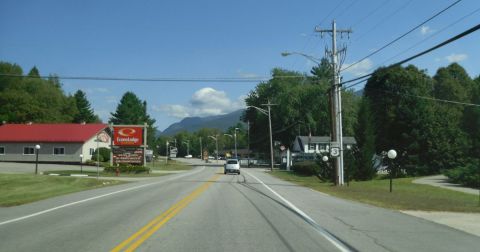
{"x":402,"y":108}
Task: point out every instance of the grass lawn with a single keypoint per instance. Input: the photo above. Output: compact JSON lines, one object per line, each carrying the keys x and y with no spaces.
{"x":17,"y":189}
{"x":405,"y":196}
{"x":172,"y":165}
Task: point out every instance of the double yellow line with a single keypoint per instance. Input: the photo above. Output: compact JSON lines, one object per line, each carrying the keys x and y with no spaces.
{"x":134,"y":241}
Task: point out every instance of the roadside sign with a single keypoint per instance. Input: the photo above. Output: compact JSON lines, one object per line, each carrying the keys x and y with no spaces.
{"x":103,"y":137}
{"x":127,"y":136}
{"x":334,"y":151}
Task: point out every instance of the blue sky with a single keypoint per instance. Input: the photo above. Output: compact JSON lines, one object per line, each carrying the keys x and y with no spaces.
{"x":211,"y":39}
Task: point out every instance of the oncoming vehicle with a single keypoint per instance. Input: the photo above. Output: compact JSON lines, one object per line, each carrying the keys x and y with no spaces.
{"x":232,"y":165}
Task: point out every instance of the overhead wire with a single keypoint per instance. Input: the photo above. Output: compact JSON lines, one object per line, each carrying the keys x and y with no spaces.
{"x":383,"y":20}
{"x":402,"y":36}
{"x":448,"y":41}
{"x":432,"y":35}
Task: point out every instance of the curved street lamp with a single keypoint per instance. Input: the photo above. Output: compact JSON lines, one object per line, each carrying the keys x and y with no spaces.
{"x":267,"y":113}
{"x":216,"y":144}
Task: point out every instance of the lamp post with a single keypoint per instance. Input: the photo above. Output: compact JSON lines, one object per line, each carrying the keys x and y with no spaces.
{"x":235,"y":136}
{"x":391,"y":154}
{"x":201,"y":149}
{"x":81,"y":163}
{"x":153,"y":161}
{"x":267,"y":113}
{"x":216,"y":144}
{"x":229,"y":135}
{"x":37,"y":148}
{"x":166,"y":153}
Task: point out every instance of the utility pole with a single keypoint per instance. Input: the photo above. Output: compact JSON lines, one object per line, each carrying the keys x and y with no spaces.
{"x":270,"y":128}
{"x":336,"y":146}
{"x":201,"y":149}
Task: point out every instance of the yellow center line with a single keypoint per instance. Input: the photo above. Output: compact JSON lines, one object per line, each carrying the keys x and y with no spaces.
{"x":148,"y":230}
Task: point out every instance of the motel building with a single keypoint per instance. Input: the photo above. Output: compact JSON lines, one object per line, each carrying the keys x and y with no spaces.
{"x":62,"y":143}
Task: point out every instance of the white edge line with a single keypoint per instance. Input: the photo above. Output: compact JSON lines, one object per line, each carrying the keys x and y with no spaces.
{"x":96,"y":197}
{"x":317,"y":227}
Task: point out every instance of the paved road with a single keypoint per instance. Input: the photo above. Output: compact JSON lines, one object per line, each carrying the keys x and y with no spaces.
{"x":442,"y":181}
{"x":204,"y":210}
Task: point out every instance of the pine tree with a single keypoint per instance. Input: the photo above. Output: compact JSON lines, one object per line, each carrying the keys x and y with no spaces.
{"x":85,"y":111}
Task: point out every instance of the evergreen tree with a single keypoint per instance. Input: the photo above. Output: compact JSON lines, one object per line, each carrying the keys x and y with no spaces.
{"x":34,"y":72}
{"x":132,"y":111}
{"x":85,"y":112}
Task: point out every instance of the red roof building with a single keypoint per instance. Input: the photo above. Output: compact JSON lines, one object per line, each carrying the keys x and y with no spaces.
{"x":49,"y":133}
{"x":63,"y":142}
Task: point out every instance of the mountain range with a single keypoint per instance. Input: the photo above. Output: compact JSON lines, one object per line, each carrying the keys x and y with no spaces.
{"x":192,"y":124}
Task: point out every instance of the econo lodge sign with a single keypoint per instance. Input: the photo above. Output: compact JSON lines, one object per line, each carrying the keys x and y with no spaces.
{"x":127,"y":136}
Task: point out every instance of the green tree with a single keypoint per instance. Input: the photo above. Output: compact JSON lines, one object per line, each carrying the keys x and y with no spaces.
{"x":132,"y":111}
{"x":401,"y":119}
{"x":448,"y":141}
{"x":85,"y":111}
{"x":365,"y":137}
{"x":34,"y":72}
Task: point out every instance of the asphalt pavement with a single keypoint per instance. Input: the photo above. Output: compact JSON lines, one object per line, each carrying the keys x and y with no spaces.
{"x":205,"y":210}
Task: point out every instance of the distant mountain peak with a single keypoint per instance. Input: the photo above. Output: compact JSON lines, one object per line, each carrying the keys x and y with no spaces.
{"x":192,"y":124}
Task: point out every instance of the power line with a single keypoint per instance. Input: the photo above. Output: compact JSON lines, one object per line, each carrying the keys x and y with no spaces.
{"x":403,"y":35}
{"x":382,"y":21}
{"x":433,"y":35}
{"x":428,"y":98}
{"x":448,"y":41}
{"x":161,"y":79}
{"x":361,"y":20}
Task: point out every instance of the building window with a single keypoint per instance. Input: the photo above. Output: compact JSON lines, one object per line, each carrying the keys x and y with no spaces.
{"x":58,"y":150}
{"x":2,"y":150}
{"x":311,"y":146}
{"x":29,"y":150}
{"x":92,"y":150}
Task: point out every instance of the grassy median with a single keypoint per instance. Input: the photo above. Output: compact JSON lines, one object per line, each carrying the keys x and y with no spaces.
{"x":17,"y":189}
{"x":172,"y":165}
{"x":405,"y":196}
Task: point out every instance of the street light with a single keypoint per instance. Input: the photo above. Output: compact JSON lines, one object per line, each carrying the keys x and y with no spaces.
{"x":81,"y":163}
{"x":166,"y":153}
{"x":216,"y":143}
{"x":37,"y":148}
{"x":316,"y":60}
{"x":153,"y":161}
{"x":229,"y":135}
{"x":391,"y":154}
{"x":235,"y":136}
{"x":267,"y":113}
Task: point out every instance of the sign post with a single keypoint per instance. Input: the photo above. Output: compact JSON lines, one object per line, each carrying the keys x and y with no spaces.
{"x":129,"y":144}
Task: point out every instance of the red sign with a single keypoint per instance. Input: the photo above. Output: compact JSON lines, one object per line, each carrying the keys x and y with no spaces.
{"x":127,"y":136}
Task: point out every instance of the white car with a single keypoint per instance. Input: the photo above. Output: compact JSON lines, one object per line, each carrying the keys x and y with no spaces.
{"x":231,"y":165}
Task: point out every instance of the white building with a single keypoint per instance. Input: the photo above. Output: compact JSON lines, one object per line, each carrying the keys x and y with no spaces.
{"x":63,"y":143}
{"x":318,"y":144}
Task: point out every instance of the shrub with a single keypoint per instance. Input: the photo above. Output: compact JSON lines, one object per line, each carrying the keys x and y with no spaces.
{"x":104,"y":154}
{"x":306,"y":168}
{"x":127,"y":169}
{"x":468,"y":175}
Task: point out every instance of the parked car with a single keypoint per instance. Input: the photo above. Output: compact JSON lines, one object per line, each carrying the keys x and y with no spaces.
{"x":232,"y":165}
{"x":188,"y":156}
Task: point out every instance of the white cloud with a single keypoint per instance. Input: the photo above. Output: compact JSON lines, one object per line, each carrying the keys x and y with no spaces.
{"x":456,"y":57}
{"x":243,"y":74}
{"x":424,"y":30}
{"x":362,"y":68}
{"x":204,"y":102}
